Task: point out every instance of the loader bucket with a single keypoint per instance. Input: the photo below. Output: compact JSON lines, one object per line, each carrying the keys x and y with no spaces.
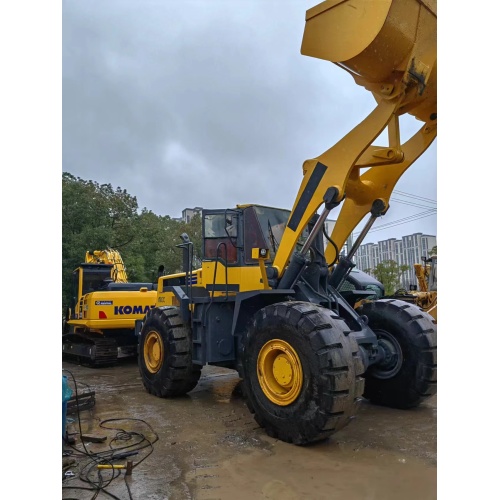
{"x":388,"y":46}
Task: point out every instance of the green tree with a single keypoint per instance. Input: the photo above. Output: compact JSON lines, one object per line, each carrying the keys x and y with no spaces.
{"x":403,"y":268}
{"x":94,"y":217}
{"x":154,"y":245}
{"x":97,"y":216}
{"x":193,"y":229}
{"x":433,"y":250}
{"x":389,"y":274}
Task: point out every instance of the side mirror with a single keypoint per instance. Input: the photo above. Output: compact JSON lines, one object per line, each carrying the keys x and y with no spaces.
{"x":231,"y":227}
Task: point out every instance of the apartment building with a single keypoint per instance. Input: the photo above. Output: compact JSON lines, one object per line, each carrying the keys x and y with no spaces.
{"x":189,"y":213}
{"x":367,"y":256}
{"x":409,"y":250}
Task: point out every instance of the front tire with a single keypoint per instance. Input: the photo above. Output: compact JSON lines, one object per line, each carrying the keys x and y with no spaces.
{"x":301,"y":372}
{"x":165,"y":354}
{"x":407,"y":375}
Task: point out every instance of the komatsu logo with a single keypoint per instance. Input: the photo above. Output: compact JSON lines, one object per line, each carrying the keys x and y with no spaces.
{"x":132,"y":309}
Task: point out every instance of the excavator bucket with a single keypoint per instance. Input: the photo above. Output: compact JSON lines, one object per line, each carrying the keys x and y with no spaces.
{"x":388,"y":46}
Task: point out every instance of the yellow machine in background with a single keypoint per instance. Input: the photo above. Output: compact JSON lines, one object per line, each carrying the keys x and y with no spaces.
{"x":427,"y":274}
{"x":426,"y":295}
{"x":109,"y":256}
{"x":268,"y":298}
{"x":100,"y":325}
{"x":427,"y":281}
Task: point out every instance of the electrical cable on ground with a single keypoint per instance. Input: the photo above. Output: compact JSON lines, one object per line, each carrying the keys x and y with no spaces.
{"x":87,"y":470}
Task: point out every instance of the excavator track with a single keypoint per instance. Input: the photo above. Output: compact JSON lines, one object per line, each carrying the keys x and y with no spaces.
{"x":90,"y":349}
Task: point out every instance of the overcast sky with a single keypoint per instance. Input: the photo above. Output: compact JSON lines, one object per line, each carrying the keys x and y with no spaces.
{"x":210,"y":103}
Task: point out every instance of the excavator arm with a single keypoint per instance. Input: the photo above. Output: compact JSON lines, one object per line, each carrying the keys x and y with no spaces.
{"x":389,"y":47}
{"x":422,"y":274}
{"x":109,"y":256}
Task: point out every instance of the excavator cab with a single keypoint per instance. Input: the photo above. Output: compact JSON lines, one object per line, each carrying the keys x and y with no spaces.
{"x":88,"y":278}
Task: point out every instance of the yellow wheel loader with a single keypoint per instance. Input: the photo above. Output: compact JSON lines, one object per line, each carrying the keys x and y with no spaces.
{"x":267,"y":299}
{"x":425,"y":296}
{"x":100,"y":325}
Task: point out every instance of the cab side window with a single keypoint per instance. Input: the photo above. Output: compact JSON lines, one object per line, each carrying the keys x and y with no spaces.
{"x":217,"y":243}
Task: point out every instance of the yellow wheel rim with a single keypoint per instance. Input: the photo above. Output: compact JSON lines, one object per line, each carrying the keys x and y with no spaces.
{"x":153,"y":351}
{"x":279,"y":372}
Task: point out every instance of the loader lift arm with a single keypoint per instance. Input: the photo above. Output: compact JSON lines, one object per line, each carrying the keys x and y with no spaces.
{"x":394,"y":57}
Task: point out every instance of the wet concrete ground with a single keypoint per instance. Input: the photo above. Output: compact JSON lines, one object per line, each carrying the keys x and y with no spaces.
{"x":210,"y":447}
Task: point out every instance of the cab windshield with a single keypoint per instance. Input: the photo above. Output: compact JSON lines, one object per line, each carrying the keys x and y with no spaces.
{"x":264,"y":227}
{"x":272,"y":222}
{"x":93,"y":279}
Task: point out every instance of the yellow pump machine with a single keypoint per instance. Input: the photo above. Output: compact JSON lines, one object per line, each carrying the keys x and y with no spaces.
{"x":266,"y":299}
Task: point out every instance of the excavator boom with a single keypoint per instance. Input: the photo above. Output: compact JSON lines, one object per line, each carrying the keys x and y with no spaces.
{"x":109,"y":256}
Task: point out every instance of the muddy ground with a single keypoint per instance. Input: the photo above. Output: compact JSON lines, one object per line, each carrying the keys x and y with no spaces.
{"x":210,"y":447}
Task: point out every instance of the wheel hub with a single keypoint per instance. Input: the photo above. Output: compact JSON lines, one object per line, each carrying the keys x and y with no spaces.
{"x":153,"y":351}
{"x":279,"y":372}
{"x":392,"y":361}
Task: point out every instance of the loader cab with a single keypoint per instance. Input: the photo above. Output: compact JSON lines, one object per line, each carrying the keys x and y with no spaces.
{"x":230,"y":235}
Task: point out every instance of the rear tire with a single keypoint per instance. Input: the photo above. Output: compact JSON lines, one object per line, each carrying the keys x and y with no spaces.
{"x":165,"y":354}
{"x":301,"y":372}
{"x":408,"y":374}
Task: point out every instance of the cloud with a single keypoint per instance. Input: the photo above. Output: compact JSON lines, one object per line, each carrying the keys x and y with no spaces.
{"x":201,"y":103}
